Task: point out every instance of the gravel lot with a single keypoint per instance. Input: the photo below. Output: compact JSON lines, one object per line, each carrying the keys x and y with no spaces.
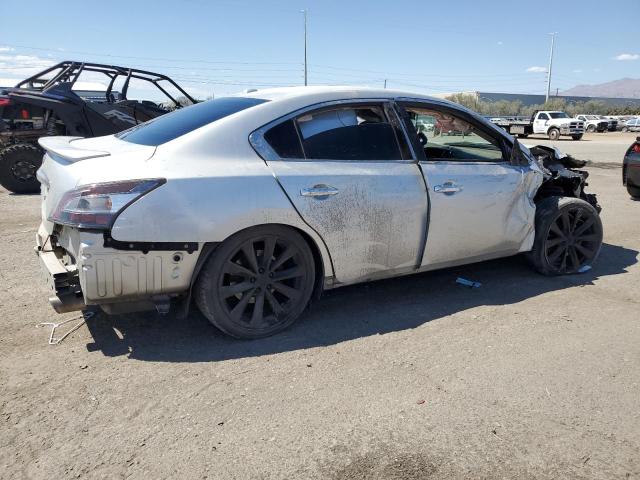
{"x":414,"y":378}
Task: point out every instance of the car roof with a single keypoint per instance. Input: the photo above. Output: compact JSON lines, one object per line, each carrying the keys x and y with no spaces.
{"x":339,"y":92}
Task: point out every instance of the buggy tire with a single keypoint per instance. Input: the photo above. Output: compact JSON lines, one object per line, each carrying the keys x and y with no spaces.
{"x":249,"y":293}
{"x":553,"y":134}
{"x":568,"y":236}
{"x":18,"y":166}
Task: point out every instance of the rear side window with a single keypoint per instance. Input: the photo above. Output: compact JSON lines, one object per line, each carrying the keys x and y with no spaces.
{"x":348,"y":133}
{"x":175,"y":124}
{"x":284,"y":139}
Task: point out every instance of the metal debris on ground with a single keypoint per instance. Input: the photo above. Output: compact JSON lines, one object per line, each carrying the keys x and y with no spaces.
{"x":468,"y":283}
{"x":55,"y":341}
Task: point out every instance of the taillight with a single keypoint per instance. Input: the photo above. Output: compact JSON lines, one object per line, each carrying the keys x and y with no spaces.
{"x":25,"y":114}
{"x":97,"y":206}
{"x":4,"y":102}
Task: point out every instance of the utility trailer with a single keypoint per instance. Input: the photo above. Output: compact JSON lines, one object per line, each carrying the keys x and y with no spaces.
{"x":544,"y":122}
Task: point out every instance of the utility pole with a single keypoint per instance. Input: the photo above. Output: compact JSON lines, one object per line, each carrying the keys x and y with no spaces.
{"x":385,"y":83}
{"x":553,"y":38}
{"x":305,"y":46}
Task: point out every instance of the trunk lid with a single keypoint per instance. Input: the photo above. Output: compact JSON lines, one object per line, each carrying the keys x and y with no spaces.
{"x":72,"y":161}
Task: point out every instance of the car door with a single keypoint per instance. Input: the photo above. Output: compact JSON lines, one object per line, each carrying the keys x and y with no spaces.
{"x":480,"y":204}
{"x":540,"y":123}
{"x":349,"y":173}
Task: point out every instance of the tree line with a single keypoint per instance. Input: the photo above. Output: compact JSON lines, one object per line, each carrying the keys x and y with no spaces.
{"x":503,"y":108}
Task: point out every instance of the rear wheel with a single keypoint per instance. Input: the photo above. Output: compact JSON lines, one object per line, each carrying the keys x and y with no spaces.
{"x":554,"y":134}
{"x":258,"y":282}
{"x":568,"y":236}
{"x":18,"y":166}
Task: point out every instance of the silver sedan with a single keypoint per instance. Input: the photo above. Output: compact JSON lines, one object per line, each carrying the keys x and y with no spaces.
{"x":253,"y":205}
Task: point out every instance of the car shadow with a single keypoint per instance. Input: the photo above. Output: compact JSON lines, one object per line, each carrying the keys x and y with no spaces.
{"x":346,"y":313}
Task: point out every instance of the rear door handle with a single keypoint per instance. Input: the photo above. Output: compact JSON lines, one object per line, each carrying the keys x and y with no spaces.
{"x":318,"y":191}
{"x":447,"y":187}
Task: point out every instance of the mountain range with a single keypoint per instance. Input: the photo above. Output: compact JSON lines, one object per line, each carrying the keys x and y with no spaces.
{"x":625,"y":87}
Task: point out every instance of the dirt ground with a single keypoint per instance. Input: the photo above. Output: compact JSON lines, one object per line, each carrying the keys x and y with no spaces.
{"x":413,"y":378}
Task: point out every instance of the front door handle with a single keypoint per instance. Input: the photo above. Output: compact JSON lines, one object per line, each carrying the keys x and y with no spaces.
{"x":319,"y":191}
{"x":447,"y":187}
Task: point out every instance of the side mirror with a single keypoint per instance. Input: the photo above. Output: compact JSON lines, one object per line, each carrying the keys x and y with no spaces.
{"x":518,"y":158}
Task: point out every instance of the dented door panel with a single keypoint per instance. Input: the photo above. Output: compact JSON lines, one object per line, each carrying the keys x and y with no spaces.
{"x":491,"y":212}
{"x":370,"y":214}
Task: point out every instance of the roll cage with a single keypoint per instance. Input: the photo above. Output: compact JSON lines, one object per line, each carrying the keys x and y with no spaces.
{"x":68,"y":72}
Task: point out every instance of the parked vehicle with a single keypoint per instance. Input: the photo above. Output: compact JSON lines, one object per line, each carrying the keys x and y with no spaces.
{"x":48,"y":104}
{"x":631,"y":169}
{"x":632,"y":125}
{"x":612,"y":123}
{"x":552,"y":124}
{"x":593,"y":123}
{"x":257,"y":203}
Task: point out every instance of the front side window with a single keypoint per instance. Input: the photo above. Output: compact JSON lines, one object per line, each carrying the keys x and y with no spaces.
{"x":446,"y":136}
{"x":348,"y":133}
{"x":558,"y":115}
{"x":543,"y":116}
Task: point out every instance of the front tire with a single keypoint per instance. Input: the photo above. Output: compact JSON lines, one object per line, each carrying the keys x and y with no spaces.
{"x":553,"y":134}
{"x":576,"y":137}
{"x":591,"y":128}
{"x":633,"y":191}
{"x":568,"y":236}
{"x":257,"y":282}
{"x":18,"y":166}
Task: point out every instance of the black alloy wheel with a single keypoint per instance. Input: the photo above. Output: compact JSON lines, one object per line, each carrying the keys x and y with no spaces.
{"x":568,"y":236}
{"x":258,"y":282}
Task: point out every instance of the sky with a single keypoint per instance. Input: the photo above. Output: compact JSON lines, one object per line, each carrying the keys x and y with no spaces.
{"x":215,"y":48}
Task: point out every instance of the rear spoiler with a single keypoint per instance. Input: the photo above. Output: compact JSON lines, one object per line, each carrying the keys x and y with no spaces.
{"x":62,"y":147}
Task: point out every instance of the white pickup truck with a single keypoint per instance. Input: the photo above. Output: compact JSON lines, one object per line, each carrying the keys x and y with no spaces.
{"x":593,"y":123}
{"x":545,"y":122}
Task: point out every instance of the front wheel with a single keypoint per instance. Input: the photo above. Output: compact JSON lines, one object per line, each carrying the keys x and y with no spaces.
{"x":576,"y":137}
{"x":624,"y":129}
{"x":633,"y":191}
{"x":591,"y":128}
{"x":554,"y":134}
{"x":568,"y":236}
{"x":257,"y":282}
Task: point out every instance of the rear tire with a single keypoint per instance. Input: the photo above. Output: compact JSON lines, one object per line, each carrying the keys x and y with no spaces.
{"x":18,"y":166}
{"x":568,"y":236}
{"x":553,"y":134}
{"x":576,"y":137}
{"x":257,"y":282}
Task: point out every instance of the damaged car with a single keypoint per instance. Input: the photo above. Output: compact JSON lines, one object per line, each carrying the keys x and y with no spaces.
{"x":252,"y":205}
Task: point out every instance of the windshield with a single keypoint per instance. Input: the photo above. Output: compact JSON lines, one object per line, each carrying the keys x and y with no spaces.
{"x":592,"y":117}
{"x":558,"y":115}
{"x":175,"y":124}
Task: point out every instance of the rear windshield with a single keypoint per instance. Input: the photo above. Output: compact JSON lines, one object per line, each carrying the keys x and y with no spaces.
{"x":175,"y":124}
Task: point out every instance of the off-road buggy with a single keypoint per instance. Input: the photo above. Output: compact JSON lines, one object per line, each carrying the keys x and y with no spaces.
{"x":53,"y":102}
